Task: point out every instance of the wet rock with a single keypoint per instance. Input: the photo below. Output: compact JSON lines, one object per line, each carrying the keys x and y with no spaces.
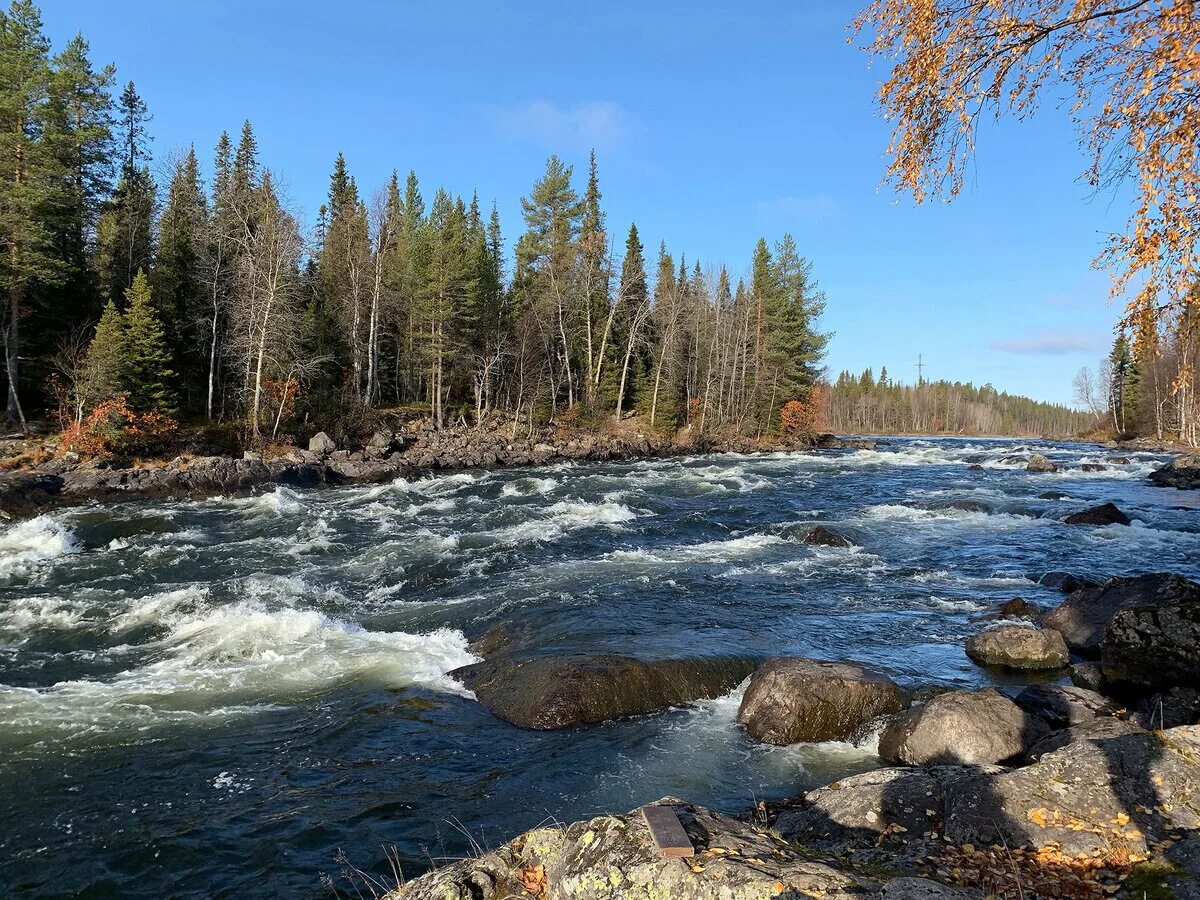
{"x":969,"y":506}
{"x":827,"y":537}
{"x":1019,"y":647}
{"x":502,"y":638}
{"x":790,"y":700}
{"x":548,"y":692}
{"x":1053,"y":495}
{"x":1063,"y":705}
{"x":1155,"y":642}
{"x":1092,"y":467}
{"x":611,"y":857}
{"x":322,"y":444}
{"x":1168,"y":709}
{"x":1133,"y":788}
{"x":1105,"y":514}
{"x":1039,"y":463}
{"x":1182,"y":472}
{"x":1101,"y":728}
{"x":1119,"y":460}
{"x":1083,"y":617}
{"x":23,"y":493}
{"x":961,"y":727}
{"x":1086,"y":675}
{"x":975,"y":467}
{"x":1019,"y":608}
{"x":1066,"y":582}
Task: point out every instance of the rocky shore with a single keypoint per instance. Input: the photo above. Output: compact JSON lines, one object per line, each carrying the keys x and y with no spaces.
{"x":1083,"y":790}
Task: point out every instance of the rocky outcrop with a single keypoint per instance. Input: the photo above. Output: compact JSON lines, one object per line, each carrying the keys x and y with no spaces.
{"x":827,"y":537}
{"x":833,"y":442}
{"x":1083,"y":617}
{"x":960,"y":727}
{"x":1105,"y":514}
{"x":1155,"y":642}
{"x":1039,"y":463}
{"x":790,"y":700}
{"x":1183,"y":472}
{"x":1100,"y":728}
{"x":1019,"y":647}
{"x":614,"y":857}
{"x":548,"y":692}
{"x":1063,"y":705}
{"x":1130,"y":789}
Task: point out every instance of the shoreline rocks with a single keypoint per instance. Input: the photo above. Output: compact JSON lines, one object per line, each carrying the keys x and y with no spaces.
{"x":1182,"y":473}
{"x":791,"y":700}
{"x":1019,"y":647}
{"x":960,"y":728}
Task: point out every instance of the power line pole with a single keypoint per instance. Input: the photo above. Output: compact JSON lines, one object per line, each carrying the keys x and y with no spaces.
{"x":920,"y":370}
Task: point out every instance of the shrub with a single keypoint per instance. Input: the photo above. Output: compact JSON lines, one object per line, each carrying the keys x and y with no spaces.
{"x":804,"y":418}
{"x":112,"y":429}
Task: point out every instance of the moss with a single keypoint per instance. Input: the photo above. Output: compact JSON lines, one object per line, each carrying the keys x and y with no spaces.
{"x":1148,"y":881}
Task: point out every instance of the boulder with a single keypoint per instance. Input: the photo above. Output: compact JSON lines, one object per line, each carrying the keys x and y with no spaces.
{"x":1086,"y":675}
{"x":1100,"y":728}
{"x":23,"y":493}
{"x":1019,"y":647}
{"x":827,"y":537}
{"x":1085,"y":615}
{"x":1168,"y":709}
{"x":1063,"y":705}
{"x":1066,"y":582}
{"x":612,"y":857}
{"x":960,"y":727}
{"x":1119,"y":460}
{"x":549,"y":692}
{"x":1019,"y":608}
{"x":1092,"y":467}
{"x":1182,"y":472}
{"x":1105,"y":514}
{"x":322,"y":444}
{"x":1155,"y":643}
{"x":1039,"y":463}
{"x":790,"y":700}
{"x":1131,"y":790}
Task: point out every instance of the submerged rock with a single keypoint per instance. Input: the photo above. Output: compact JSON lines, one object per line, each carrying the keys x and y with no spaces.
{"x":827,"y":537}
{"x":1105,"y":514}
{"x":1085,"y":615}
{"x":790,"y":700}
{"x":1182,"y":472}
{"x":1039,"y":463}
{"x":611,"y":857}
{"x":1019,"y":647}
{"x":960,"y":727}
{"x":1019,"y":608}
{"x":549,"y":692}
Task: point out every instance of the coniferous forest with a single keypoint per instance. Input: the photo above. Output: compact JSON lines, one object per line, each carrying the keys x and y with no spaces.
{"x":206,"y":299}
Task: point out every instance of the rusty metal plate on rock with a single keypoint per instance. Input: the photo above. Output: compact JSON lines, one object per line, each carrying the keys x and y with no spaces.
{"x":668,"y":834}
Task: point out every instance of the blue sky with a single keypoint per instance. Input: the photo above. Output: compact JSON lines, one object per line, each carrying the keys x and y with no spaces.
{"x":713,"y":124}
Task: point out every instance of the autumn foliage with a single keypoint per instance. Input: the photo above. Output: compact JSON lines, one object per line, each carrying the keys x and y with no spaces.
{"x":112,"y":428}
{"x":803,"y":418}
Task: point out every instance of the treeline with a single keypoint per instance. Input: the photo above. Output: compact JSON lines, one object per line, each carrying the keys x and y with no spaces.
{"x":210,"y":301}
{"x":866,"y":404}
{"x":1147,"y":386}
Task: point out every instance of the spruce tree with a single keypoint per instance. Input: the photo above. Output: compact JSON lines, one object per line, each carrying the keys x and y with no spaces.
{"x":133,"y":115}
{"x":105,"y":365}
{"x":149,"y":378}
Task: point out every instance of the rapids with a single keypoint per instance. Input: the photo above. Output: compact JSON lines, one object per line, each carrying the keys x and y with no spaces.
{"x":214,"y":697}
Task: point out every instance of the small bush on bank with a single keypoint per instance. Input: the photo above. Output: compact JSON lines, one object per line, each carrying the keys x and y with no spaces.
{"x":113,"y":430}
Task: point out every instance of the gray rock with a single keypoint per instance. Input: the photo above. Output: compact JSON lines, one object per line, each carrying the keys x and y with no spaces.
{"x":252,"y":455}
{"x":924,"y":889}
{"x":827,"y":537}
{"x":1086,"y":675}
{"x":1062,"y":705}
{"x":1066,"y":582}
{"x":612,"y":857}
{"x":1019,"y":608}
{"x":1083,"y":617}
{"x":1155,"y":643}
{"x":1019,"y":647}
{"x":1039,"y":463}
{"x":547,"y":692}
{"x":1105,"y":514}
{"x":790,"y":700}
{"x":960,"y":727}
{"x":322,"y":444}
{"x":1183,"y":472}
{"x":1097,"y":729}
{"x":1133,"y":789}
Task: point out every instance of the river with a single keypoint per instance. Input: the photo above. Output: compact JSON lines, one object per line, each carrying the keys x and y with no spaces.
{"x":217,"y":697}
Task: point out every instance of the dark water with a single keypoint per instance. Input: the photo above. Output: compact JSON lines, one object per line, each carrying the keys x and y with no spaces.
{"x":211,"y":698}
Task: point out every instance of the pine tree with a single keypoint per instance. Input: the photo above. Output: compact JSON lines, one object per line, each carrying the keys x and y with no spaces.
{"x":133,"y":115}
{"x":149,"y":378}
{"x":104,"y":368}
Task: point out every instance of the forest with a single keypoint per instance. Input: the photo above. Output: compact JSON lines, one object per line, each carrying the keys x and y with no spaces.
{"x":137,"y":306}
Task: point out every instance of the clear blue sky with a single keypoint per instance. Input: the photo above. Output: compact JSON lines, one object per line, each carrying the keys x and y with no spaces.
{"x":713,"y":123}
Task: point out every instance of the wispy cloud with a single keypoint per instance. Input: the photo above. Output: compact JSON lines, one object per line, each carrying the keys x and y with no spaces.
{"x":1048,"y":343}
{"x":601,"y":124}
{"x":814,"y":209}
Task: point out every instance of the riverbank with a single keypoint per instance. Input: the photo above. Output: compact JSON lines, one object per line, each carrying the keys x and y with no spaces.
{"x":385,"y":456}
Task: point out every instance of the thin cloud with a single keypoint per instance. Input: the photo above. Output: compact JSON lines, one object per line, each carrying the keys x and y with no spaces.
{"x":815,"y":209}
{"x":1048,"y":343}
{"x":601,"y":124}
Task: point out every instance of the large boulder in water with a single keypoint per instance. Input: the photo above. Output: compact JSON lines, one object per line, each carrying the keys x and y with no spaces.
{"x":1105,"y":514}
{"x":548,"y":692}
{"x":827,"y":537}
{"x":1066,"y":582}
{"x":1039,"y":463}
{"x":790,"y":700}
{"x":1130,"y":790}
{"x":1085,"y":615}
{"x":1182,"y":472}
{"x":960,"y":727}
{"x":613,"y":857}
{"x":1019,"y":647}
